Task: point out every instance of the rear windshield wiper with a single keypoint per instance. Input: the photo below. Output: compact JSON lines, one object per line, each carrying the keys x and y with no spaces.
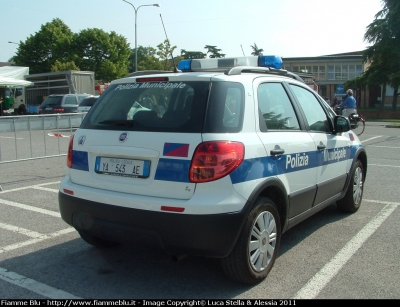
{"x":117,"y":122}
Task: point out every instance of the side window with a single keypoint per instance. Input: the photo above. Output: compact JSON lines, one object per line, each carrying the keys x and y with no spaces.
{"x":225,"y":109}
{"x":275,"y":108}
{"x":315,"y":115}
{"x":232,"y":107}
{"x":70,"y":100}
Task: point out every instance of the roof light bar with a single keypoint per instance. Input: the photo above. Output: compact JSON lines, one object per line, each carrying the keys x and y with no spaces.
{"x":221,"y":64}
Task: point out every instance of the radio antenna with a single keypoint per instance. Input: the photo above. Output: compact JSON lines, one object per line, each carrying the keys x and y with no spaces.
{"x":173,"y":61}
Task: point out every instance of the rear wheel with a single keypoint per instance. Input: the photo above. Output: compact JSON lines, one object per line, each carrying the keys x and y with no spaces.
{"x":352,"y":200}
{"x":257,"y":247}
{"x":95,"y":241}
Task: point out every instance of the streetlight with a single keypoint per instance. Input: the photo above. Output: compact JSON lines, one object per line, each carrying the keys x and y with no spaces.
{"x":136,"y":9}
{"x":13,"y":43}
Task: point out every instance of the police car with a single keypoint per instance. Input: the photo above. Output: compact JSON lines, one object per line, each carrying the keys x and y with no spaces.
{"x":217,"y":159}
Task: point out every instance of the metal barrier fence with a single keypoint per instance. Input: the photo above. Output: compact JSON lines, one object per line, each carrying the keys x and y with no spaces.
{"x":36,"y":136}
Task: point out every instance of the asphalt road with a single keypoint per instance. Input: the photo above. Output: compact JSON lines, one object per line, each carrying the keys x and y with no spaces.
{"x":329,"y":256}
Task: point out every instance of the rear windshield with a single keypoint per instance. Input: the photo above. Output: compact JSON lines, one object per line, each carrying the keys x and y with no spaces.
{"x":169,"y":107}
{"x":52,"y":101}
{"x":151,"y":106}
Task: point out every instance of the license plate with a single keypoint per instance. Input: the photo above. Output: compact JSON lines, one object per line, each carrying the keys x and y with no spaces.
{"x":122,"y":167}
{"x":48,"y":109}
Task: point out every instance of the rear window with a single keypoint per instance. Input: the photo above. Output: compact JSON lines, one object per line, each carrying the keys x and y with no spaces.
{"x":70,"y":100}
{"x":88,"y":102}
{"x":52,"y":101}
{"x":169,"y":107}
{"x":151,"y":106}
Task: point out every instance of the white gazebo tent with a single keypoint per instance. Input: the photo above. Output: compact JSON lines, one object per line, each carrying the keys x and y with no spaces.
{"x":14,"y":76}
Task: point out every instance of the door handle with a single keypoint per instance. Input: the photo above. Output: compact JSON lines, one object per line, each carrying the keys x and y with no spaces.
{"x":276,"y":152}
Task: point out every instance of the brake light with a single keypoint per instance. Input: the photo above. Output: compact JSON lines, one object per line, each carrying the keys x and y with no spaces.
{"x":70,"y":149}
{"x":214,"y":160}
{"x":152,"y":79}
{"x":58,"y":110}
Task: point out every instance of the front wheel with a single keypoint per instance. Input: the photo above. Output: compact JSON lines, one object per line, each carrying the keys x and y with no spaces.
{"x":352,"y":200}
{"x":257,"y":247}
{"x":357,"y":125}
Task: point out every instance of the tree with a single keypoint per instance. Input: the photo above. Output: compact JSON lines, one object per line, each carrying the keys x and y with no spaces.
{"x":384,"y":54}
{"x":256,"y":50}
{"x":58,"y":66}
{"x":214,"y":52}
{"x":145,"y":55}
{"x":164,"y":53}
{"x":192,"y":54}
{"x":107,"y":54}
{"x":41,"y":50}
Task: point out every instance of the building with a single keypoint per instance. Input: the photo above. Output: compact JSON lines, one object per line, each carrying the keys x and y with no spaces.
{"x":330,"y":72}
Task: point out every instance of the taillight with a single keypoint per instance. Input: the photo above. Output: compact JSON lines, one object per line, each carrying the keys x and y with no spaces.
{"x":58,"y":110}
{"x":214,"y":160}
{"x":70,"y":149}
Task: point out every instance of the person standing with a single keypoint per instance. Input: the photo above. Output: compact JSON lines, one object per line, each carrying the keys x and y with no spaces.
{"x":328,"y":100}
{"x":349,"y":104}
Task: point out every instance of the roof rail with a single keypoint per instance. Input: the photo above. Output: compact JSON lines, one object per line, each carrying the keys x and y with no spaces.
{"x":268,"y":70}
{"x":147,"y":72}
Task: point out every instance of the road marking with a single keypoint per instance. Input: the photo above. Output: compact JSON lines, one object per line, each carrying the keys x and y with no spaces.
{"x":375,"y":137}
{"x":391,"y":147}
{"x":10,"y":137}
{"x":31,"y":208}
{"x":36,"y":240}
{"x":34,"y":286}
{"x":318,"y":282}
{"x":23,"y":231}
{"x":30,"y":187}
{"x":45,"y":189}
{"x":383,"y":165}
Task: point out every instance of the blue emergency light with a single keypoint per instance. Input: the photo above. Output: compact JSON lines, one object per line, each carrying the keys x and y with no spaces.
{"x":219,"y":64}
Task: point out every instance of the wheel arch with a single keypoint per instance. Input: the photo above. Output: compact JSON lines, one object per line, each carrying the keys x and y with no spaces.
{"x":361,"y":155}
{"x":274,"y":189}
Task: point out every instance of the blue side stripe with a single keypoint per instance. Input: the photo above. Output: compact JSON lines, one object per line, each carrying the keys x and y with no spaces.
{"x":178,"y":169}
{"x":257,"y":168}
{"x":173,"y":170}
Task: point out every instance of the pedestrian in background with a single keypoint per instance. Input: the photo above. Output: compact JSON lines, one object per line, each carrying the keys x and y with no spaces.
{"x":328,"y":100}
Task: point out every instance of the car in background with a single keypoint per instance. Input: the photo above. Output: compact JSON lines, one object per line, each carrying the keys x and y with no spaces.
{"x":87,"y":103}
{"x":61,"y":103}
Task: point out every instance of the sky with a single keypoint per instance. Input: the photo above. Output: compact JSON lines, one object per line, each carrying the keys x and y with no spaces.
{"x":287,"y":28}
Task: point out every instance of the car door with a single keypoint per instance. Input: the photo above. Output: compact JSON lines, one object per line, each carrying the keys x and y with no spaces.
{"x":291,"y":150}
{"x":332,"y":150}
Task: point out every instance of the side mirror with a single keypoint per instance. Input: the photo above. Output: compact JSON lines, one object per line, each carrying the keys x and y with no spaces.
{"x":341,"y":124}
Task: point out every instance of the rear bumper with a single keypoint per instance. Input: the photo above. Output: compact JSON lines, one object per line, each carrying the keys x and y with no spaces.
{"x":212,"y":235}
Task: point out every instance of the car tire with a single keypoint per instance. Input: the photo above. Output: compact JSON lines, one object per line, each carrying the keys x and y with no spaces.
{"x":96,"y":241}
{"x":257,"y":247}
{"x":352,"y":200}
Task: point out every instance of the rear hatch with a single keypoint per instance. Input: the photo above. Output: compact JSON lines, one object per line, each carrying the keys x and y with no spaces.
{"x":140,"y":136}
